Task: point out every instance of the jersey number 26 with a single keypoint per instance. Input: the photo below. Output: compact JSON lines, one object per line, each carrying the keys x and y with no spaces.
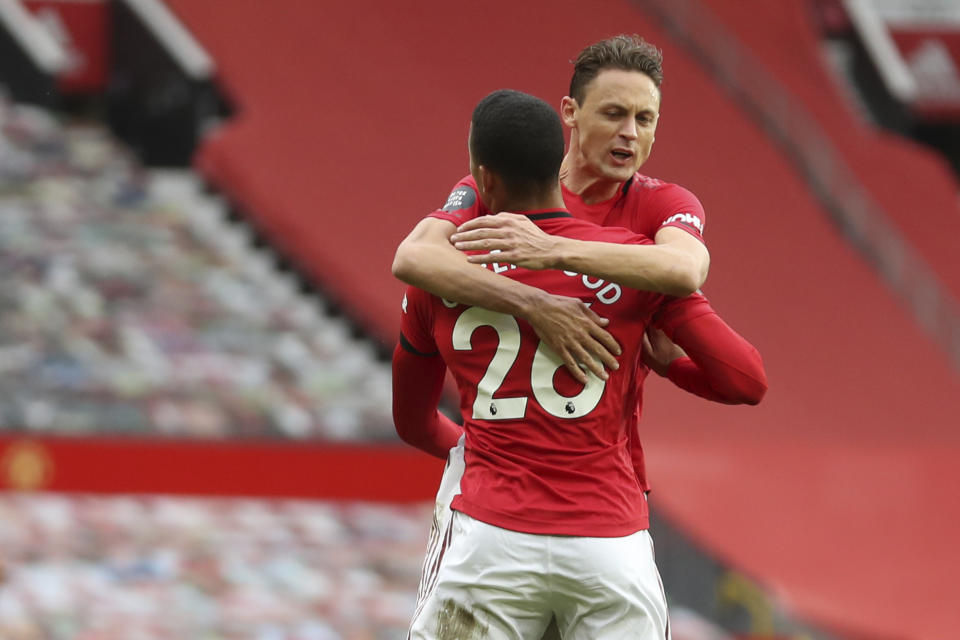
{"x":545,"y":365}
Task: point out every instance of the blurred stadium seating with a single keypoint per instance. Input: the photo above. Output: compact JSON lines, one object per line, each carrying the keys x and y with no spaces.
{"x":155,"y":567}
{"x":134,"y":305}
{"x":143,"y":568}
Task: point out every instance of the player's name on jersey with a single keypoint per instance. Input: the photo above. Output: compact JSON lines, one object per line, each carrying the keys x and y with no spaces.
{"x":605,"y":292}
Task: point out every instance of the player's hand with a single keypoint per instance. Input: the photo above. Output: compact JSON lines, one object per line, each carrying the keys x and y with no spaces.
{"x":576,"y":334}
{"x":515,"y":238}
{"x":659,"y":351}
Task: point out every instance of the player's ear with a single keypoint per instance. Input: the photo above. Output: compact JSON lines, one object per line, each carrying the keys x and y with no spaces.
{"x":568,"y":111}
{"x":486,"y":180}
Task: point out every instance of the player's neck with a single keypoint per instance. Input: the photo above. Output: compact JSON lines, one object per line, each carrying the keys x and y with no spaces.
{"x":578,"y":178}
{"x":550,"y":200}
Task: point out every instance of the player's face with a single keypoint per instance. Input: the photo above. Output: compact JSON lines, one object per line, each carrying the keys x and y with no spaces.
{"x":616,"y":123}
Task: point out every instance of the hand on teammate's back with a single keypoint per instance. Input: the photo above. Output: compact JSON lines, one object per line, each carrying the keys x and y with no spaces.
{"x":566,"y":325}
{"x":576,"y":334}
{"x":659,"y":351}
{"x":514,"y":237}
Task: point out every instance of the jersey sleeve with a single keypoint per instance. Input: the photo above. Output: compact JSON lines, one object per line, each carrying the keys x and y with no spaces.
{"x":462,"y":204}
{"x":678,"y":207}
{"x":416,"y":323}
{"x":417,"y":386}
{"x":685,"y":373}
{"x":721,"y":366}
{"x":418,"y":374}
{"x":675,"y":312}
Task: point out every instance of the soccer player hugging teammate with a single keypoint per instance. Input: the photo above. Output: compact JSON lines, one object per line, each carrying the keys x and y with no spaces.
{"x":549,"y":519}
{"x":612,"y":113}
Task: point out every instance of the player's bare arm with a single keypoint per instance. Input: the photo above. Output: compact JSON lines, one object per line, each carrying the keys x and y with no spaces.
{"x":427,"y":260}
{"x":676,"y":265}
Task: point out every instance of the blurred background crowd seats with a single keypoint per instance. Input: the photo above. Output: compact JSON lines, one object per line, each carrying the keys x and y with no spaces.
{"x":133,"y":305}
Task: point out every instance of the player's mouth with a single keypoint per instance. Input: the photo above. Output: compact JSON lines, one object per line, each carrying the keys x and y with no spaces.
{"x":622,"y":157}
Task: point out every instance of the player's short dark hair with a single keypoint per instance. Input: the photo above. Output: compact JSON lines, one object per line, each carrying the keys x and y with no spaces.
{"x":520,"y":138}
{"x":626,"y":52}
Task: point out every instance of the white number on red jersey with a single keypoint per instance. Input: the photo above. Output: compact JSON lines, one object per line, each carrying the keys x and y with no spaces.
{"x":508,"y":336}
{"x":545,"y":365}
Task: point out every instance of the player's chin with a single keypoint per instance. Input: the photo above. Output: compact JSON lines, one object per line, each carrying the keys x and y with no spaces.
{"x":620,"y":173}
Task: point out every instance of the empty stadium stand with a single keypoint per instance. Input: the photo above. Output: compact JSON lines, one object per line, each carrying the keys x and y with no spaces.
{"x":150,"y":567}
{"x":834,"y":493}
{"x":134,"y":306}
{"x":909,"y":183}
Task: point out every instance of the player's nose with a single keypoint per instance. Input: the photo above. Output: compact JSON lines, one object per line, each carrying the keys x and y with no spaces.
{"x":629,"y":129}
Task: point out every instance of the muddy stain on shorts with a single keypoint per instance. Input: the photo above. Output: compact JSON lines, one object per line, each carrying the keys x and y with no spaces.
{"x":456,"y":623}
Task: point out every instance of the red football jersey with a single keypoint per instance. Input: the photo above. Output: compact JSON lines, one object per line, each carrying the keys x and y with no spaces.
{"x":543,"y":454}
{"x":643,"y":205}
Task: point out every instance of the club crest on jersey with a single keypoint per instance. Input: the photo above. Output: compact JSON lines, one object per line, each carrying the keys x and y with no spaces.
{"x":686,"y":218}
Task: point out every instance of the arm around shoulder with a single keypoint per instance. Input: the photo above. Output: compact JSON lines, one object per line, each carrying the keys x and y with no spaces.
{"x":692,"y":257}
{"x":676,"y":265}
{"x":427,"y":243}
{"x":427,"y":260}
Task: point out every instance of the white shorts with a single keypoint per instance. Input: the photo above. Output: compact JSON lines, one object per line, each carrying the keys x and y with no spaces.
{"x":449,"y":487}
{"x":482,"y":581}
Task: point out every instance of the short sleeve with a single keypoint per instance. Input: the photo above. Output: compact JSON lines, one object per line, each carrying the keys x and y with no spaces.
{"x":462,"y":204}
{"x":416,"y":323}
{"x":678,"y":207}
{"x":676,"y":312}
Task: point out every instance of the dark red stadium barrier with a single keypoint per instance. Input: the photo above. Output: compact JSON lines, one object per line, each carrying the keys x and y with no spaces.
{"x":219,"y":468}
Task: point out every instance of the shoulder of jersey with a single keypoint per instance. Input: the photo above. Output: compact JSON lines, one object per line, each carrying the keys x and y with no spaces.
{"x":642,"y":182}
{"x":463,"y":196}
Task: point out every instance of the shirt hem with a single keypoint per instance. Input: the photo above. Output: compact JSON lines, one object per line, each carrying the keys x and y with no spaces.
{"x":617,"y":529}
